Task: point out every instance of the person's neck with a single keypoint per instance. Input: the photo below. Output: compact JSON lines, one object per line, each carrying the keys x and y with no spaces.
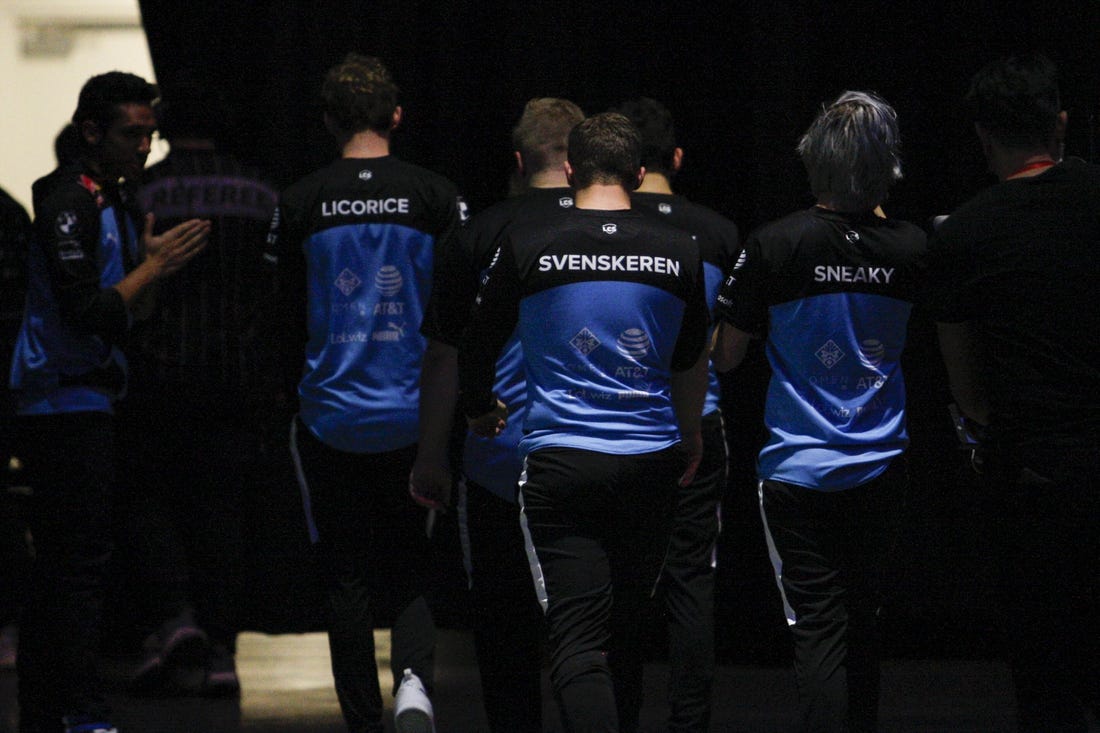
{"x":602,"y":197}
{"x":95,"y":171}
{"x":365,"y":144}
{"x":1011,"y":164}
{"x":548,"y":179}
{"x":655,"y":183}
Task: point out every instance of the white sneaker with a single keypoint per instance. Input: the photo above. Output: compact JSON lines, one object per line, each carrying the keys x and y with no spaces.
{"x":412,"y":710}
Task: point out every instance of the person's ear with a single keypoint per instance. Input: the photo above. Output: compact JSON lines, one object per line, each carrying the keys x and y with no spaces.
{"x":91,"y":133}
{"x":677,"y":159}
{"x":395,"y":121}
{"x":641,"y":177}
{"x":519,"y":162}
{"x":568,"y":172}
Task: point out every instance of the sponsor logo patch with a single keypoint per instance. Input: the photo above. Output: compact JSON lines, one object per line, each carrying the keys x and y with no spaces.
{"x":66,"y":223}
{"x":633,"y":343}
{"x":585,"y":342}
{"x":347,"y":282}
{"x":829,"y":354}
{"x":388,"y":280}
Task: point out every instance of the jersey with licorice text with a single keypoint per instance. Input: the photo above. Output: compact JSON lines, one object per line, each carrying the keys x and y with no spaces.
{"x":67,"y":357}
{"x":607,"y":305}
{"x":494,"y":463}
{"x":356,"y":244}
{"x":833,"y":293}
{"x":718,"y":243}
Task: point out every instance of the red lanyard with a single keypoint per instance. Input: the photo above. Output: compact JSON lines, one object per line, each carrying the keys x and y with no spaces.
{"x":1033,"y":166}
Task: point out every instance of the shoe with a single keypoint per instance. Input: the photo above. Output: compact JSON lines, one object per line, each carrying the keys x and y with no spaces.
{"x":412,"y":710}
{"x":9,"y":647}
{"x":178,"y":642}
{"x":81,"y":724}
{"x":221,"y":673}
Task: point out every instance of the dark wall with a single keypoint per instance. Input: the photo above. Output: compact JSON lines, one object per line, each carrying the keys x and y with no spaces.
{"x":743,"y":80}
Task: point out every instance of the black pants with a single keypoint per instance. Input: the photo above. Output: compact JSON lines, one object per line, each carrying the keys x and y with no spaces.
{"x":70,"y":462}
{"x":509,"y":630}
{"x":179,"y":508}
{"x":598,"y":526}
{"x":374,"y":556}
{"x":830,"y":551}
{"x":1045,"y":529}
{"x":688,"y":584}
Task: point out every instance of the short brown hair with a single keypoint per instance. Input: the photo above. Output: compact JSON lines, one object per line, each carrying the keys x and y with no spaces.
{"x":605,"y":148}
{"x":542,"y":134}
{"x":359,"y":94}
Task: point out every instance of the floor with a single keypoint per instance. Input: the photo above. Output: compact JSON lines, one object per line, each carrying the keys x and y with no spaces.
{"x":287,"y":688}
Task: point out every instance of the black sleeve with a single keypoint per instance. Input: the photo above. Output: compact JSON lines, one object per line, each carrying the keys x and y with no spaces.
{"x":285,"y":255}
{"x":455,"y":281}
{"x":67,"y":231}
{"x":694,"y":327}
{"x":948,"y":293}
{"x":741,"y":300}
{"x":492,"y":322}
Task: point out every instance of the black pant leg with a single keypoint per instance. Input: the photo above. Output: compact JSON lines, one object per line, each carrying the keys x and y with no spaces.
{"x":373,"y":553}
{"x":688,"y":584}
{"x":829,"y":549}
{"x":70,"y":460}
{"x":509,"y":629}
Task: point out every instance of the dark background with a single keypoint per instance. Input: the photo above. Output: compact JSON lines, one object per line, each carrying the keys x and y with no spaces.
{"x":742,"y":80}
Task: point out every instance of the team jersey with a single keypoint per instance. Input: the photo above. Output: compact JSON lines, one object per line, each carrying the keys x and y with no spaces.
{"x":1019,"y":261}
{"x":204,"y":332}
{"x":494,"y":463}
{"x":67,"y":357}
{"x":833,"y":293}
{"x":607,"y":305}
{"x":355,"y":244}
{"x":718,"y":243}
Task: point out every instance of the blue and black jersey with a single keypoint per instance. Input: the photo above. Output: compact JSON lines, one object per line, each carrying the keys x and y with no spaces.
{"x":607,"y":305}
{"x":832,"y":292}
{"x":494,"y":463}
{"x":718,"y":242}
{"x":356,"y":244}
{"x":67,"y":356}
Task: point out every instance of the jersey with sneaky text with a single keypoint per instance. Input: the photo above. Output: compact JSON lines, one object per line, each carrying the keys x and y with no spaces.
{"x":833,"y":293}
{"x":494,"y":463}
{"x":608,"y":304}
{"x":355,"y":243}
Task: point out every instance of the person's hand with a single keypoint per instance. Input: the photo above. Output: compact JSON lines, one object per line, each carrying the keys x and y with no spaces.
{"x":430,"y":483}
{"x":490,"y":424}
{"x":174,"y":248}
{"x":691,"y":445}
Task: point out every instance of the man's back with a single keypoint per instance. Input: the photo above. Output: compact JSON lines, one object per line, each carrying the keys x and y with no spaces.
{"x":1020,"y":260}
{"x":609,"y":303}
{"x":203,"y":332}
{"x":833,"y":292}
{"x":359,"y":238}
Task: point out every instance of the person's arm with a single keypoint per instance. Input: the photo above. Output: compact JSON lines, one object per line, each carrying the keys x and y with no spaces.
{"x":689,"y":389}
{"x":430,"y":479}
{"x":493,"y":320}
{"x":962,"y":357}
{"x":165,"y":254}
{"x":730,"y":345}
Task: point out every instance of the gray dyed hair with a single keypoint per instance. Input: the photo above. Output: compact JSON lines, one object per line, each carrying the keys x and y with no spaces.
{"x":851,"y":151}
